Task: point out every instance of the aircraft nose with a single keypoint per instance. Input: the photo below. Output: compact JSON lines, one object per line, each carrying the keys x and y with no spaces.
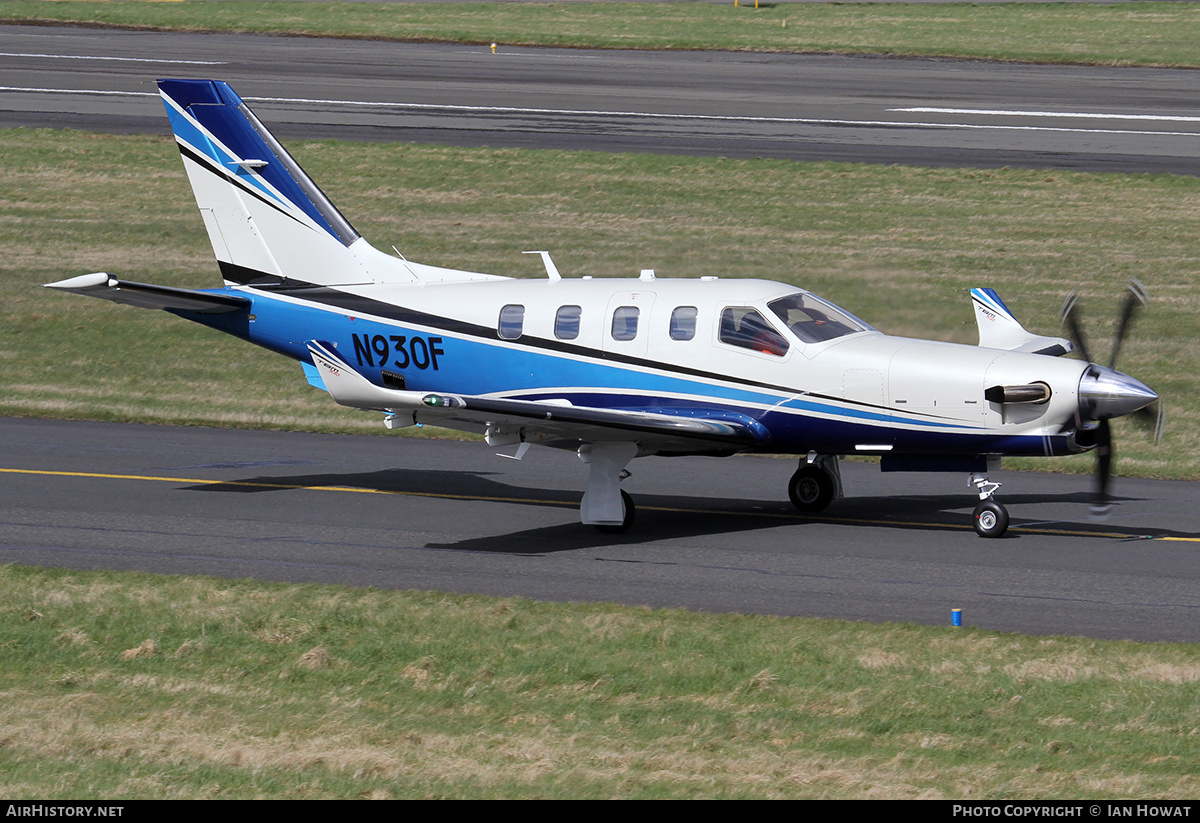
{"x":1106,"y":393}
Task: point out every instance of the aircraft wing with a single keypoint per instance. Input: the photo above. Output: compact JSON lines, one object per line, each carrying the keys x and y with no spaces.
{"x":147,"y":296}
{"x":712,"y":430}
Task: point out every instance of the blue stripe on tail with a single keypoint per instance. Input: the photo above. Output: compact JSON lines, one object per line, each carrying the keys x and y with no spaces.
{"x":216,"y":107}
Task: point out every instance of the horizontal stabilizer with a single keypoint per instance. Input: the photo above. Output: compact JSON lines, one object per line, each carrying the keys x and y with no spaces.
{"x":999,"y":329}
{"x":147,"y":296}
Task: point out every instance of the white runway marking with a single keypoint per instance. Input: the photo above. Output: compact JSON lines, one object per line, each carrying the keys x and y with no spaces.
{"x":121,"y":59}
{"x":82,"y":91}
{"x":1164,"y":118}
{"x":810,"y":121}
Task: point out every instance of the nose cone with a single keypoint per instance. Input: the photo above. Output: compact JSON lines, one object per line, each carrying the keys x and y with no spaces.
{"x":1106,"y":393}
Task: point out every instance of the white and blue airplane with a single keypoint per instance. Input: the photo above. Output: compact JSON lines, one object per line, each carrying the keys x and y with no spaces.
{"x":612,"y":368}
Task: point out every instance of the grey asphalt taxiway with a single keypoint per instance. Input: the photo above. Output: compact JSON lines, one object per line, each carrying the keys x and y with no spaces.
{"x":713,"y":534}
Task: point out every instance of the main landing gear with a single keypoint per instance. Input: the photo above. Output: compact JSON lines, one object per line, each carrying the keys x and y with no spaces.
{"x":816,"y":483}
{"x":990,"y":517}
{"x":605,"y":504}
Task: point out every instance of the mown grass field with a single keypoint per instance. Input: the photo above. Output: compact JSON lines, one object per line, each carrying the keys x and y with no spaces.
{"x":898,"y":246}
{"x":133,"y":686}
{"x":1143,"y":34}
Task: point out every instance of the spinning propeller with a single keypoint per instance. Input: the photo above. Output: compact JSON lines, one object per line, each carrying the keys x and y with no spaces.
{"x":1105,"y":393}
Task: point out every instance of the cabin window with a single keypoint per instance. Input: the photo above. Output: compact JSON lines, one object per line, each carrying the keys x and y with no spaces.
{"x":625,"y":323}
{"x":566,"y":322}
{"x":745,"y":327}
{"x":512,"y":322}
{"x":683,"y":323}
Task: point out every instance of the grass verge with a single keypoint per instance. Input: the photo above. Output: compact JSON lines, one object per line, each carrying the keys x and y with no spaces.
{"x":897,"y":246}
{"x":129,"y":686}
{"x":1135,"y":34}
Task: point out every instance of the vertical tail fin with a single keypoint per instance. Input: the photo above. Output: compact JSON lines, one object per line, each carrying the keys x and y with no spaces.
{"x":266,"y":219}
{"x":999,"y":329}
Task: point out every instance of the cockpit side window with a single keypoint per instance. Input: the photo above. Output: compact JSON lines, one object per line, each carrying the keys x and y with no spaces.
{"x":745,"y":327}
{"x":814,"y":320}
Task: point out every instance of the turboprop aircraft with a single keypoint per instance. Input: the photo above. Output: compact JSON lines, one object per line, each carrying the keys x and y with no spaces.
{"x":612,"y":368}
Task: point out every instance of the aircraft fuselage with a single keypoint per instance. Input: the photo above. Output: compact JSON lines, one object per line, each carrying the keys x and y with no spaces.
{"x":862,"y":392}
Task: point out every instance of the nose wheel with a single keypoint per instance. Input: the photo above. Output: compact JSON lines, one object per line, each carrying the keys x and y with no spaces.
{"x":990,"y":518}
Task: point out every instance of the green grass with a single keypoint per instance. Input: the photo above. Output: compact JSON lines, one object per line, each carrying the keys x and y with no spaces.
{"x":898,"y":246}
{"x":1143,"y":34}
{"x":135,"y":686}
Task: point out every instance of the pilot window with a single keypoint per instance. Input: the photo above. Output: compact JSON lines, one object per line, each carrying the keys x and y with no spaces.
{"x":566,"y":322}
{"x":745,"y":327}
{"x":625,"y":323}
{"x":683,"y":323}
{"x":512,"y":322}
{"x":813,"y":320}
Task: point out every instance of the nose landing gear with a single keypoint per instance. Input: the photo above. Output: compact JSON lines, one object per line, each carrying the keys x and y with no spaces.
{"x":990,"y":517}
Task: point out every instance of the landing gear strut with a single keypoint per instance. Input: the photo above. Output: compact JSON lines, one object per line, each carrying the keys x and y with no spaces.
{"x":990,"y":517}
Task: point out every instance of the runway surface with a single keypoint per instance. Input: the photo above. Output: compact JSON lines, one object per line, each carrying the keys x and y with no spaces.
{"x":711,"y":534}
{"x":879,"y":110}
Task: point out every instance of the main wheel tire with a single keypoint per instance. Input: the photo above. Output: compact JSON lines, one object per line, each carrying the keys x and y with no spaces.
{"x":630,"y":512}
{"x":811,"y":489}
{"x":991,"y":519}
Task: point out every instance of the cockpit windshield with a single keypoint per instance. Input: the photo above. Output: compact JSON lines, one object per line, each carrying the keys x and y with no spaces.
{"x":814,"y":320}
